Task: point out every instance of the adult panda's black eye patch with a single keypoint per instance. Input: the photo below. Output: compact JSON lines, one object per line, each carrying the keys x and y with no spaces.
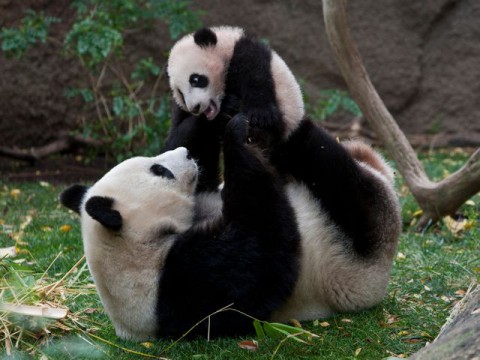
{"x":159,"y":170}
{"x":199,"y":81}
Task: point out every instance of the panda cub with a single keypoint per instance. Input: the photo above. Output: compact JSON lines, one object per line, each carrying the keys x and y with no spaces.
{"x":163,"y":258}
{"x":210,"y":66}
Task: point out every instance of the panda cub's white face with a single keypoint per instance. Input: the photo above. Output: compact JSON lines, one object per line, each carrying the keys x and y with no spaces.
{"x":197,"y":73}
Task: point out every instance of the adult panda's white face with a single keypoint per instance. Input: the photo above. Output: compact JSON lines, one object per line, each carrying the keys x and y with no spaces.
{"x":130,"y":218}
{"x":148,"y":193}
{"x":197,"y":67}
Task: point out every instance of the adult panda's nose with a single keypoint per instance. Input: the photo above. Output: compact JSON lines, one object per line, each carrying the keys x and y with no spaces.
{"x":189,"y":156}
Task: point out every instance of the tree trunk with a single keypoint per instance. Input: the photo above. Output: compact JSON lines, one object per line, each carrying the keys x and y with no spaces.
{"x":435,"y":199}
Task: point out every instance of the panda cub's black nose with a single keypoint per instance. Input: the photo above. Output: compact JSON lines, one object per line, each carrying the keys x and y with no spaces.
{"x":196,"y":109}
{"x":189,"y":156}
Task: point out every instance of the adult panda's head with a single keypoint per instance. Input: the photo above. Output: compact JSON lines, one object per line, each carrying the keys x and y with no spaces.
{"x":197,"y":68}
{"x":130,"y":218}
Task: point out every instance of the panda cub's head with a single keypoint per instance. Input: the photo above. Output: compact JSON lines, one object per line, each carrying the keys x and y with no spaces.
{"x":197,"y":67}
{"x":129,"y":220}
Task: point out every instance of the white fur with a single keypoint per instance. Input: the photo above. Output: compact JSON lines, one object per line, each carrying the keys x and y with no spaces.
{"x":126,"y":266}
{"x":288,"y":93}
{"x":187,"y":58}
{"x":332,"y":278}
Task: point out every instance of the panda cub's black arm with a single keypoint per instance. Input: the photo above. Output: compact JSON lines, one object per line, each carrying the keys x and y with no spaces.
{"x":250,"y":78}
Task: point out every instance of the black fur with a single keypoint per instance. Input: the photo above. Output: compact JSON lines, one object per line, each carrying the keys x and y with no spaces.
{"x":349,"y":195}
{"x":100,"y":209}
{"x":203,"y":140}
{"x":249,"y":77}
{"x":72,"y":197}
{"x":160,"y":170}
{"x":199,"y":81}
{"x":205,"y":37}
{"x":249,"y":259}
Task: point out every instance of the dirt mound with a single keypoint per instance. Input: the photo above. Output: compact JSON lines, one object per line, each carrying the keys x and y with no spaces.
{"x":422,"y":56}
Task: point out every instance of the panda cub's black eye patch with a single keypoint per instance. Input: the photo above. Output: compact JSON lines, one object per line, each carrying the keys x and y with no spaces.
{"x":159,"y":170}
{"x":199,"y":81}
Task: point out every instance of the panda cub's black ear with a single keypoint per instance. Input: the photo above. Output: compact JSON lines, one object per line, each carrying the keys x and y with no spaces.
{"x":72,"y":197}
{"x":100,"y":209}
{"x":205,"y":37}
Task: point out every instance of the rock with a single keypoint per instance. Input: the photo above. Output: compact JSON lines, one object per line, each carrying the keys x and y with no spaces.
{"x":459,"y":337}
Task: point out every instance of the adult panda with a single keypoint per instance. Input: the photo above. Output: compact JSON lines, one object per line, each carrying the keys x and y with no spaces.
{"x":163,"y":258}
{"x":307,"y":233}
{"x":212,"y":65}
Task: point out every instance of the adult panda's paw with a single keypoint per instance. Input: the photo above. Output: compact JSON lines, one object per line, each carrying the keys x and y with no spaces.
{"x":237,"y":129}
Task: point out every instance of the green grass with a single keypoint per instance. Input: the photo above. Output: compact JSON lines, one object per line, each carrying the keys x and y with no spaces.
{"x":433,"y":271}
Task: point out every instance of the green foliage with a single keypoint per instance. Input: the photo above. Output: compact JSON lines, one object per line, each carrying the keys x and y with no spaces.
{"x":122,"y":104}
{"x":331,"y":102}
{"x":33,"y":28}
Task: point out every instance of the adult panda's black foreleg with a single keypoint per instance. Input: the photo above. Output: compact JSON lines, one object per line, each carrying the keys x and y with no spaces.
{"x":248,"y":260}
{"x":202,"y":138}
{"x":317,"y":160}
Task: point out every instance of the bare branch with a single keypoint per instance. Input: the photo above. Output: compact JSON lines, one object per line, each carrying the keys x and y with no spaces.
{"x":63,"y":143}
{"x":435,"y":199}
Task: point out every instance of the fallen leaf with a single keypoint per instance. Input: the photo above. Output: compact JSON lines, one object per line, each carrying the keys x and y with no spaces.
{"x":412,"y":340}
{"x":15,"y":193}
{"x":418,"y":213}
{"x":11,"y":251}
{"x":295,"y":323}
{"x":445,"y":298}
{"x":358,"y":351}
{"x":401,"y":256}
{"x":455,"y":226}
{"x":470,"y":202}
{"x":324,"y":324}
{"x":392,"y":319}
{"x":147,"y":344}
{"x":346,"y":320}
{"x":65,"y":228}
{"x":403,"y":333}
{"x":460,"y":292}
{"x":250,"y":345}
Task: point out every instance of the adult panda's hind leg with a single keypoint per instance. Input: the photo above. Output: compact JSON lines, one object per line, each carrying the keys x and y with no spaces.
{"x":357,"y":202}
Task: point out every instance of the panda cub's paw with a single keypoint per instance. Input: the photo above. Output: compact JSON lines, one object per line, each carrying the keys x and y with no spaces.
{"x":265,"y":118}
{"x":236,"y":129}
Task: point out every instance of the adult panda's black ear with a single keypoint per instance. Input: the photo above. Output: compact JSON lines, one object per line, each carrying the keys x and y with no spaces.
{"x":100,"y":209}
{"x":205,"y":37}
{"x":72,"y":197}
